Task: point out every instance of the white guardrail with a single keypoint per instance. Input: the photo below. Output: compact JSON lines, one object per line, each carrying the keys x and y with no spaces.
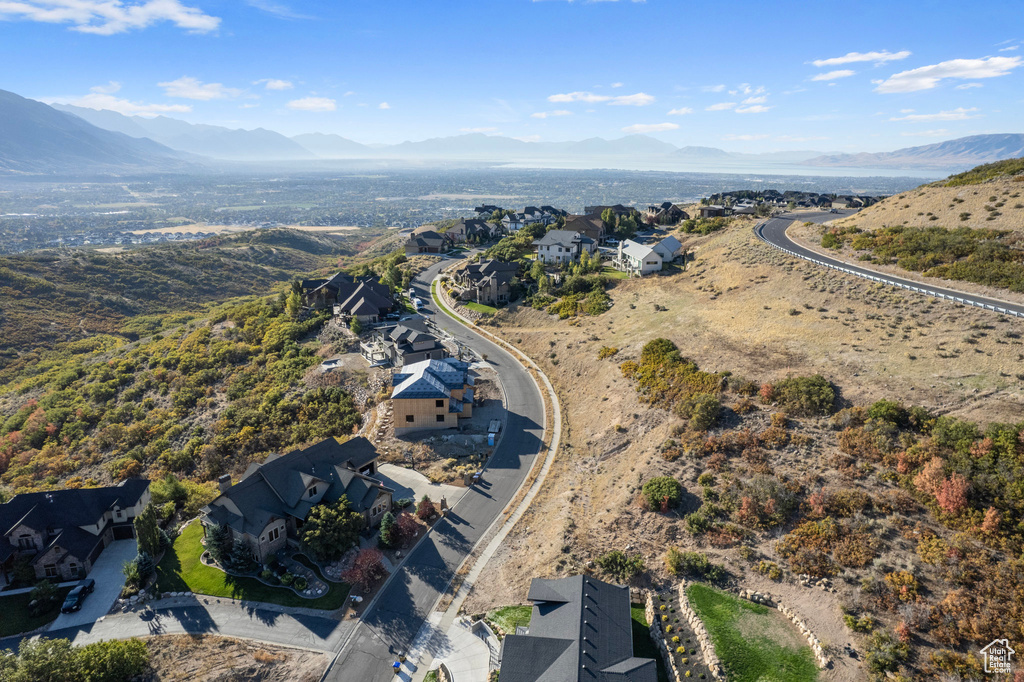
{"x":758,"y":229}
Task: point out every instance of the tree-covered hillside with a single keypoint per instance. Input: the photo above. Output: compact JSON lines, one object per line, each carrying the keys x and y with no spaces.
{"x":51,"y":297}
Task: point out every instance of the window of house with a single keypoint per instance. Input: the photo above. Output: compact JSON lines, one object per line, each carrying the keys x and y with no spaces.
{"x":440,"y":417}
{"x":274,"y":534}
{"x":408,"y":418}
{"x":312,"y":491}
{"x":25,"y":542}
{"x":51,"y":570}
{"x":118,"y":513}
{"x":439,"y":403}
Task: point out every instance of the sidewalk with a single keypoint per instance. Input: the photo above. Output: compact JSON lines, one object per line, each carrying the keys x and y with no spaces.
{"x":467,"y":653}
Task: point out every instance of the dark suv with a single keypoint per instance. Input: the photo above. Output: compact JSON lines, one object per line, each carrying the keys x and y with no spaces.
{"x":76,"y":596}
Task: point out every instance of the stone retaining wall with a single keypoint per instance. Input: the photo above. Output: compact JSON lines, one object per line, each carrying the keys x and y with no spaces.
{"x":707,"y":647}
{"x":658,"y":636}
{"x":456,"y":306}
{"x":769,"y":600}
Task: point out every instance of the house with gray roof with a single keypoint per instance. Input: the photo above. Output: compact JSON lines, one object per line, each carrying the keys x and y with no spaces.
{"x":426,"y":240}
{"x":488,"y":282}
{"x":404,"y":344}
{"x":370,"y":302}
{"x":433,"y":394}
{"x":61,"y":533}
{"x":580,"y":630}
{"x":270,"y":503}
{"x":669,"y":249}
{"x":637,"y":259}
{"x":559,"y":247}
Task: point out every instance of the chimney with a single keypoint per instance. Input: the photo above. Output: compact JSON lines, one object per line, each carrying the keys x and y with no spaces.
{"x":224,"y":482}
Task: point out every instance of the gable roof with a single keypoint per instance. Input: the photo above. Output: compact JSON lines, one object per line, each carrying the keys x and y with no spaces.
{"x":366,"y":299}
{"x":637,"y":251}
{"x":559,"y":238}
{"x":275,"y":488}
{"x":58,"y":515}
{"x":580,"y":629}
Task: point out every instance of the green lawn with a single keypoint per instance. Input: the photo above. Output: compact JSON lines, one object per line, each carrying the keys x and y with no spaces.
{"x":749,"y":640}
{"x":643,"y":645}
{"x":481,"y":308}
{"x":609,"y":271}
{"x":508,"y":617}
{"x":16,"y":617}
{"x":181,"y":571}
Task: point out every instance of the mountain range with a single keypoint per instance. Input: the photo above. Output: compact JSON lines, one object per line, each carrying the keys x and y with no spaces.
{"x":38,"y":138}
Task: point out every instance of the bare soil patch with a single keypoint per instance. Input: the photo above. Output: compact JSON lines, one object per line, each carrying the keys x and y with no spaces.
{"x":224,"y":659}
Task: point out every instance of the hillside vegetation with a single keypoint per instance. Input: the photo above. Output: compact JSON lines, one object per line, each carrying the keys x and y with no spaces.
{"x":52,"y":297}
{"x":988,"y":171}
{"x":815,"y":423}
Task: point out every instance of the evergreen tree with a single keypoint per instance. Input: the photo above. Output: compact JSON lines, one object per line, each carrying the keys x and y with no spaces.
{"x":293,"y":304}
{"x":147,"y":530}
{"x":388,"y":534}
{"x":218,"y":543}
{"x":355,"y":326}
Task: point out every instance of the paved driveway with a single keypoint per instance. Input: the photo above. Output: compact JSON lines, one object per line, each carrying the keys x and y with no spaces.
{"x":412,"y":484}
{"x":109,"y":576}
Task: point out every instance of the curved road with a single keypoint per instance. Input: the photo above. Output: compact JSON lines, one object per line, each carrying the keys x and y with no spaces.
{"x":389,"y":626}
{"x":773,"y":232}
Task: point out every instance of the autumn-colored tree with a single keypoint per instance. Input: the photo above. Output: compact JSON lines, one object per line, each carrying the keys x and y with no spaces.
{"x":931,"y":477}
{"x":767,"y":393}
{"x":367,"y":569}
{"x":406,"y":528}
{"x":991,"y":522}
{"x":425,"y":509}
{"x":952,"y":494}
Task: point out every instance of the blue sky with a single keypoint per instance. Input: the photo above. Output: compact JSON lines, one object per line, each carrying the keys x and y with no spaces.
{"x":742,"y":76}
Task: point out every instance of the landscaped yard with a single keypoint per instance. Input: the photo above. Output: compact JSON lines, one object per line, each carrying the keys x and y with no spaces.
{"x":181,"y":571}
{"x":481,"y":308}
{"x":643,"y":645}
{"x":509,"y":617}
{"x":16,"y":618}
{"x":752,"y":641}
{"x":609,"y":271}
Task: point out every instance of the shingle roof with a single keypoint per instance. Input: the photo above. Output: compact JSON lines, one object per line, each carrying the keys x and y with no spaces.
{"x":559,"y":238}
{"x":61,"y":512}
{"x":275,"y":488}
{"x":637,"y":251}
{"x":580,"y":629}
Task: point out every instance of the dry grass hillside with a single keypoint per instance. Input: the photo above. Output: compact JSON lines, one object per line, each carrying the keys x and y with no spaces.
{"x":748,"y":309}
{"x":995,"y":204}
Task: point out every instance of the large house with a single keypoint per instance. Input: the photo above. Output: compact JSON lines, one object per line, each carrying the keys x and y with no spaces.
{"x":62,"y":532}
{"x":426,"y":240}
{"x":666,"y":213}
{"x":433,"y":394}
{"x":271,"y":502}
{"x":406,"y":343}
{"x":617,"y":209}
{"x":558,"y":247}
{"x":488,"y":282}
{"x":669,"y":249}
{"x":468,"y":228}
{"x":370,"y":302}
{"x":513,"y":222}
{"x":588,"y":225}
{"x":637,"y":259}
{"x":580,"y":629}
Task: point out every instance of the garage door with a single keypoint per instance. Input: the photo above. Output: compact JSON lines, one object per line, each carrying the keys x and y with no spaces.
{"x":124,"y":532}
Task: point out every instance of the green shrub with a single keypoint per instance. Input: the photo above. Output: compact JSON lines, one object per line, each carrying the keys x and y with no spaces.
{"x":693,"y":564}
{"x":620,"y":565}
{"x":662,"y":493}
{"x":813,"y":395}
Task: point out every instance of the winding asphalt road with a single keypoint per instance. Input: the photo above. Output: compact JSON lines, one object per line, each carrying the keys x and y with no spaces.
{"x":773,"y":232}
{"x":389,"y":626}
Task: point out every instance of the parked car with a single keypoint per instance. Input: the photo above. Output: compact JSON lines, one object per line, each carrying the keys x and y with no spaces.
{"x":87,"y":585}
{"x":73,"y":601}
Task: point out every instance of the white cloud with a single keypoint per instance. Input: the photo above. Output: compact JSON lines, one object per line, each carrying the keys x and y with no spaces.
{"x":638,"y":100}
{"x":274,"y":84}
{"x":968,"y":86}
{"x":187,"y":87}
{"x":755,"y":100}
{"x":833,"y":75}
{"x":721,"y":106}
{"x":349,"y":93}
{"x":277,"y":9}
{"x":619,"y":85}
{"x":713,"y":88}
{"x":547,"y":114}
{"x":681,"y":111}
{"x":928,"y":77}
{"x":107,"y":17}
{"x":852,"y":57}
{"x":313,"y":104}
{"x":958,"y":114}
{"x":102,"y":100}
{"x":939,"y":132}
{"x":1011,"y":48}
{"x":108,"y":89}
{"x":650,"y":127}
{"x":752,"y":109}
{"x":477,"y":130}
{"x":383,"y":105}
{"x":745,"y":138}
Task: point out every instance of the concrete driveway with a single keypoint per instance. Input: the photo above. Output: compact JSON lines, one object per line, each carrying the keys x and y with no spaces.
{"x":109,"y":576}
{"x":412,"y":484}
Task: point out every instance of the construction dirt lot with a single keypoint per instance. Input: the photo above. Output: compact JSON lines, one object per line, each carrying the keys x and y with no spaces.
{"x":180,"y":658}
{"x":745,"y":308}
